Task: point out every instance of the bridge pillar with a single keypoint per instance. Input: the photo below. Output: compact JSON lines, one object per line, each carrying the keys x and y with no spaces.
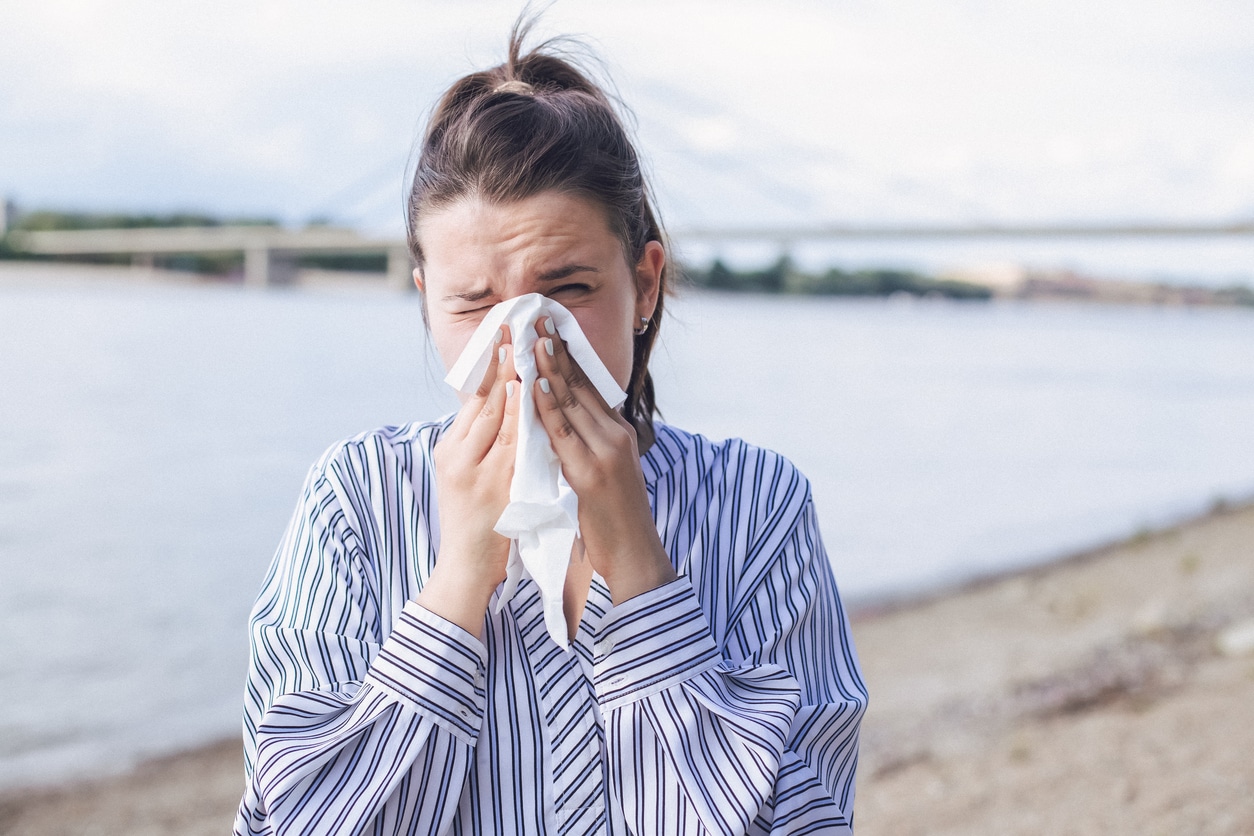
{"x":263,"y":267}
{"x":400,"y":269}
{"x":257,"y":266}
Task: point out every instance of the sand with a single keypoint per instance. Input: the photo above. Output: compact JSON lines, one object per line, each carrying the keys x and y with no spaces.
{"x":1111,"y":693}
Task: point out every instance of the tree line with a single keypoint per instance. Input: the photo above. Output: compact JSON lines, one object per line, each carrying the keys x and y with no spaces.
{"x":784,"y":277}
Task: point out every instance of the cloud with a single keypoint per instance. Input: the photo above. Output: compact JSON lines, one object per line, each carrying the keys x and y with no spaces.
{"x":974,"y":110}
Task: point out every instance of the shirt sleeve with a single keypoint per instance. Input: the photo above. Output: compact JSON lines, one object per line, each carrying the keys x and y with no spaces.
{"x":346,"y":730}
{"x":756,"y":733}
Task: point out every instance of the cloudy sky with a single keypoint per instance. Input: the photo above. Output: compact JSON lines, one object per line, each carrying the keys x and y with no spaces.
{"x":749,"y":112}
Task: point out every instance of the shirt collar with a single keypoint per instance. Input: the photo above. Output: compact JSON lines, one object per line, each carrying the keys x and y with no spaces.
{"x":670,"y":445}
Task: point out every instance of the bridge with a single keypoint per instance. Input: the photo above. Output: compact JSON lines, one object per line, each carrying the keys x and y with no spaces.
{"x":270,"y":252}
{"x":868,"y":232}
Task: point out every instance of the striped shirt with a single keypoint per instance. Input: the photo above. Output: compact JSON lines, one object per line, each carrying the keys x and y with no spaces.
{"x":726,"y":701}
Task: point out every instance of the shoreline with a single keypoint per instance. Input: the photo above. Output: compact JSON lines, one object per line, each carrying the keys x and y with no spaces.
{"x":78,"y":274}
{"x":1187,"y":295}
{"x":882,"y":606}
{"x":1096,"y":689}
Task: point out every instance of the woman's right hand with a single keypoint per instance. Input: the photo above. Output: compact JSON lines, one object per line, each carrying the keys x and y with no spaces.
{"x":474,"y":463}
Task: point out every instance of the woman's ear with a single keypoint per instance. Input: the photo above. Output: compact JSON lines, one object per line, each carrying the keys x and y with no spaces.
{"x":418,"y":279}
{"x":649,"y":278}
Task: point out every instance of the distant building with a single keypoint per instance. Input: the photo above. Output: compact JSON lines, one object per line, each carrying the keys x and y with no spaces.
{"x":1003,"y":278}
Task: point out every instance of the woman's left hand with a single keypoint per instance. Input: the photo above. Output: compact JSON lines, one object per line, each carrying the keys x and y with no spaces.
{"x":600,"y":458}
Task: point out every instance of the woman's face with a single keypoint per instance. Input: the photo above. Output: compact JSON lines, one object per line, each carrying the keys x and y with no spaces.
{"x":479,"y":253}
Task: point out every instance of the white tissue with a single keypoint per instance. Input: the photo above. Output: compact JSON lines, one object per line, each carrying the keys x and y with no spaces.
{"x":542,"y":518}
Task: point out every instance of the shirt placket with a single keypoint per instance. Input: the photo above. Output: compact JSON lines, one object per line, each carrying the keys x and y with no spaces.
{"x":572,"y":719}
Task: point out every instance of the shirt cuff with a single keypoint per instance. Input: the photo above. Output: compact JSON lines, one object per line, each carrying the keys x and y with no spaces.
{"x":436,"y":666}
{"x":650,"y":643}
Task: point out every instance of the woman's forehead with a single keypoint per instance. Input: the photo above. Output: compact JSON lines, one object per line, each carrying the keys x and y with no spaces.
{"x":549,"y":212}
{"x":473,"y":238}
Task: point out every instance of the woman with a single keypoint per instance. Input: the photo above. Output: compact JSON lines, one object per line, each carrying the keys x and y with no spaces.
{"x":711,"y":684}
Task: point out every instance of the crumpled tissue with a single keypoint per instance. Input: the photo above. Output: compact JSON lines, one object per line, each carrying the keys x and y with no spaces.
{"x":542,"y":518}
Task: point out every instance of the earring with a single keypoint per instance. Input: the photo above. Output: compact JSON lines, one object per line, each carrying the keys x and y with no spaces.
{"x":644,"y":326}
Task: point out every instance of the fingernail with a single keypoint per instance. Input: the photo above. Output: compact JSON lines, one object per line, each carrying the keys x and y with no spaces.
{"x":509,"y":389}
{"x":548,"y":346}
{"x":548,"y":326}
{"x":544,"y":385}
{"x":500,"y":355}
{"x":500,"y":335}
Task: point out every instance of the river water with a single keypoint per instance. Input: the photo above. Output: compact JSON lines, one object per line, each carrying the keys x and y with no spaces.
{"x":153,"y":440}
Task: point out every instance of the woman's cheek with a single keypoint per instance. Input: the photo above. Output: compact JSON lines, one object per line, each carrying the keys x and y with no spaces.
{"x":453,"y":335}
{"x":451,"y":344}
{"x":615,"y":350}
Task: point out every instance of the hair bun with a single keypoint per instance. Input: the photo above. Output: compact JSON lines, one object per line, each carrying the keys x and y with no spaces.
{"x":514,"y":85}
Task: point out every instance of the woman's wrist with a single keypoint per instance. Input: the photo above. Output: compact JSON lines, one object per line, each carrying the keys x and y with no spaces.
{"x":622,"y":541}
{"x":636,"y":577}
{"x":458,"y":594}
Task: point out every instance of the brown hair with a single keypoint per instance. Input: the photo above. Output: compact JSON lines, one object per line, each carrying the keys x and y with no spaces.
{"x":538,"y":123}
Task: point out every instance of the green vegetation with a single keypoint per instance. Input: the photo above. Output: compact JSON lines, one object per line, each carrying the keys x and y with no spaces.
{"x":1235,"y":295}
{"x":783,"y":277}
{"x":41,"y":220}
{"x":358,"y":262}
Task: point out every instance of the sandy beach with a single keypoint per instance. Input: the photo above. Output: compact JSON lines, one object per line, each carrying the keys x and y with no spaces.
{"x":1111,"y":692}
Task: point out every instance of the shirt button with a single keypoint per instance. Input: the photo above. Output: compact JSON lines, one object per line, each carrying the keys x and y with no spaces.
{"x":607,"y":646}
{"x":478,"y":679}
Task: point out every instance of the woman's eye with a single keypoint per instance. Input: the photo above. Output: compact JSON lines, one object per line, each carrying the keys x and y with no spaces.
{"x":570,"y":288}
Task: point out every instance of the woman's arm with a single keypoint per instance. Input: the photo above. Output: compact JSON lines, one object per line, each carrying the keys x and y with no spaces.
{"x":750,"y":726}
{"x":343,"y":729}
{"x":351,"y":723}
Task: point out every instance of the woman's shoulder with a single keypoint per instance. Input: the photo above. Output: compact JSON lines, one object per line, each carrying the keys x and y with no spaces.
{"x":378,"y":452}
{"x":678,"y":454}
{"x":744,"y":504}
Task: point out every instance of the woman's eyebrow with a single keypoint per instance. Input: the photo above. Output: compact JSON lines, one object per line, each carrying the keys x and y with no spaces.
{"x":469,"y":295}
{"x":553,"y":275}
{"x":564,"y":271}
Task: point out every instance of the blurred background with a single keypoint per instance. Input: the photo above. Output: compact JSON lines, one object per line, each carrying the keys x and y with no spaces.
{"x":985,"y":271}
